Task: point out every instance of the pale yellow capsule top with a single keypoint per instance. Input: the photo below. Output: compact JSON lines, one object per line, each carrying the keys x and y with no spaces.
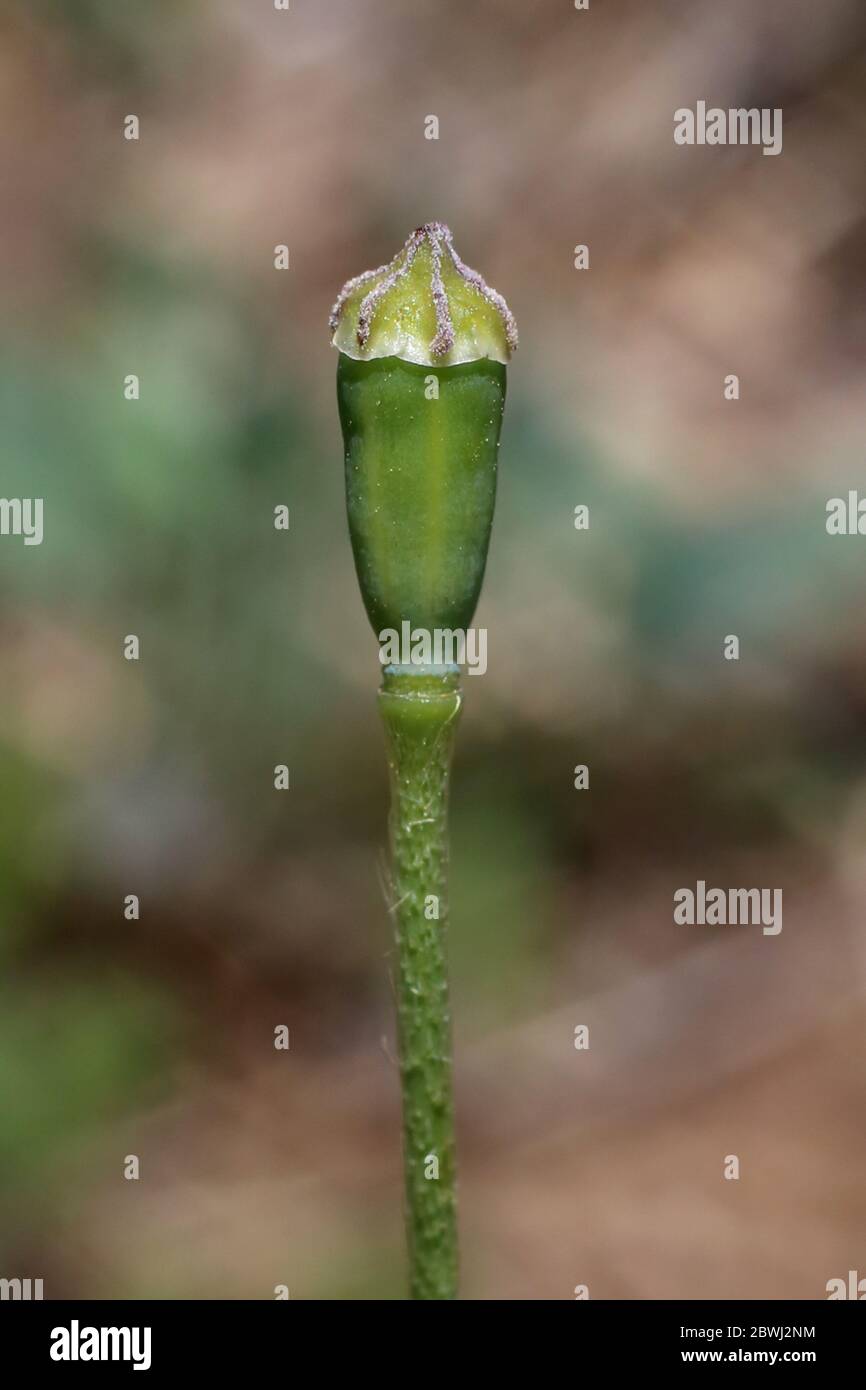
{"x":427,"y":306}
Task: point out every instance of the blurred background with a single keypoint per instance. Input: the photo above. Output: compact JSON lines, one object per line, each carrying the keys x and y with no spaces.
{"x":707,"y":518}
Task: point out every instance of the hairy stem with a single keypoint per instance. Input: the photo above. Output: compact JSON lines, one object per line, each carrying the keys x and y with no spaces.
{"x":420,"y":714}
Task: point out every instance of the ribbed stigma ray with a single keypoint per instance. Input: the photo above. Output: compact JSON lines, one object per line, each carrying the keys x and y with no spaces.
{"x":492,"y":296}
{"x":348,"y":290}
{"x":370,"y":302}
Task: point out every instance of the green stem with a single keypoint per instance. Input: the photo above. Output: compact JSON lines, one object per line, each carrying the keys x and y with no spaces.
{"x":420,"y":714}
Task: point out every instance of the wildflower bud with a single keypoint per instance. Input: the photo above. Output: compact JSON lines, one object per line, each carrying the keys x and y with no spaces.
{"x":421,"y":387}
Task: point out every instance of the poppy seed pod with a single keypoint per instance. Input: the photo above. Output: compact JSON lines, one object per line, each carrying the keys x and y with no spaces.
{"x":421,"y":388}
{"x":421,"y":385}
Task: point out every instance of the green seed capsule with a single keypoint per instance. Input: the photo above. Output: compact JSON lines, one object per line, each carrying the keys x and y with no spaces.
{"x":421,"y":388}
{"x":421,"y":385}
{"x":420,"y":485}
